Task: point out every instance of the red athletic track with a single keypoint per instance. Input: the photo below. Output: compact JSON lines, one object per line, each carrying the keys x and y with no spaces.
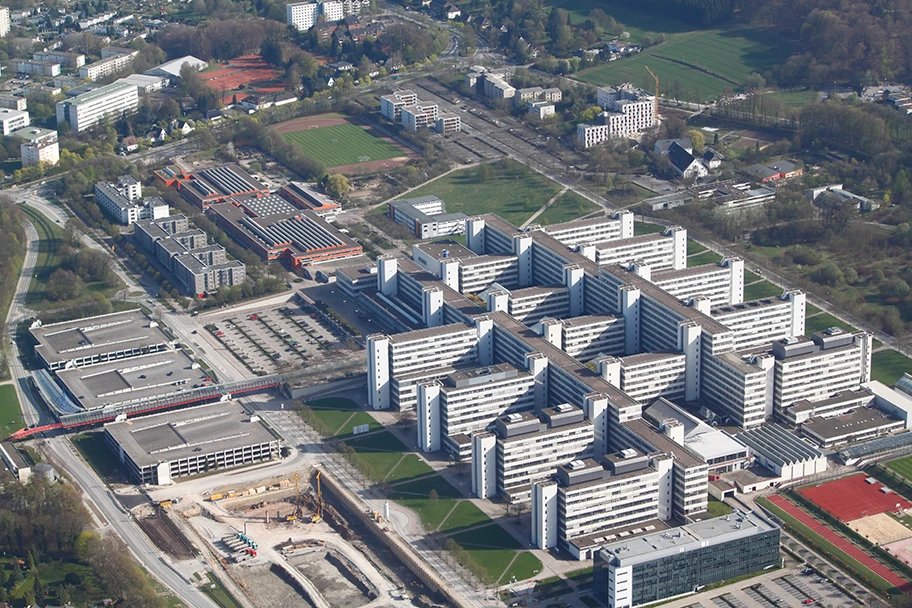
{"x":853,"y":551}
{"x":851,"y":498}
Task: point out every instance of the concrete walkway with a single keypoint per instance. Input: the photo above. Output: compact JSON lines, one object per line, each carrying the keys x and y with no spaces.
{"x":544,"y":207}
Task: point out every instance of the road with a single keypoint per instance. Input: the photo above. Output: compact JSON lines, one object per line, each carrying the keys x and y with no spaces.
{"x":122,"y":523}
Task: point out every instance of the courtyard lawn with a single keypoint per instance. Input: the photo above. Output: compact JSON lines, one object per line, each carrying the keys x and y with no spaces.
{"x":824,"y":321}
{"x":10,"y":412}
{"x":568,"y":206}
{"x":465,"y":515}
{"x":763,"y":289}
{"x":707,"y":257}
{"x":507,"y":188}
{"x":694,"y":248}
{"x":641,"y":228}
{"x":888,"y":366}
{"x":345,"y":430}
{"x":491,"y":550}
{"x":340,"y":145}
{"x":410,"y":467}
{"x":525,"y":566}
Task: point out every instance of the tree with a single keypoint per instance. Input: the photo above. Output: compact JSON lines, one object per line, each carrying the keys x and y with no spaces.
{"x":828,"y":274}
{"x":698,"y":141}
{"x":589,"y":114}
{"x":337,"y":186}
{"x":63,"y":285}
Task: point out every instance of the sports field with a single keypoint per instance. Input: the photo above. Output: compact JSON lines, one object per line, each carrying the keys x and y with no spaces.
{"x":342,"y":144}
{"x":852,"y":497}
{"x":903,"y":466}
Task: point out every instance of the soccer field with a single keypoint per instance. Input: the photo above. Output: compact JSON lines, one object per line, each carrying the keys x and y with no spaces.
{"x":344,"y":144}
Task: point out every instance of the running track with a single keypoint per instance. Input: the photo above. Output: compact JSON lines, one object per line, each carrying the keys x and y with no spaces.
{"x":853,"y":551}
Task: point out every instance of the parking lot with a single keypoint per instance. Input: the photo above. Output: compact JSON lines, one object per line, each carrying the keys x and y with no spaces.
{"x":278,"y":339}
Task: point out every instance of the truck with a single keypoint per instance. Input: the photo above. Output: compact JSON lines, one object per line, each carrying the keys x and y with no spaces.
{"x":215,"y":497}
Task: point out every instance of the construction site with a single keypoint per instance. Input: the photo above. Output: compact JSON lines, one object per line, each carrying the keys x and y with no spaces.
{"x":286,"y":541}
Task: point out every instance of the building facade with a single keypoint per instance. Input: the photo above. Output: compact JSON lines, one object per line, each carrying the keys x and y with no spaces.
{"x":107,"y":102}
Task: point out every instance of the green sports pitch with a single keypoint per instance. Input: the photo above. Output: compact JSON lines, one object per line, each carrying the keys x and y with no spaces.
{"x":345,"y":144}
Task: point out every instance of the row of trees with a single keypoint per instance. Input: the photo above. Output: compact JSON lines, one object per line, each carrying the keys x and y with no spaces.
{"x":12,"y":252}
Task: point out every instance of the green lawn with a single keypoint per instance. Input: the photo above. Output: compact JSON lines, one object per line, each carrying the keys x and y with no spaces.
{"x":50,"y":237}
{"x":750,"y":277}
{"x":10,"y":413}
{"x":717,"y":508}
{"x":410,"y":467}
{"x":795,"y":99}
{"x":383,"y":441}
{"x":823,"y":321}
{"x":568,"y":206}
{"x":526,"y":565}
{"x":493,"y":549}
{"x":465,"y":515}
{"x":357,"y":419}
{"x":693,"y":248}
{"x":707,"y":257}
{"x":641,"y":228}
{"x":764,"y":289}
{"x":696,"y":65}
{"x":416,"y":496}
{"x":218,"y":593}
{"x":422,"y":487}
{"x":345,"y":144}
{"x":511,"y":190}
{"x":903,"y":466}
{"x":810,"y":309}
{"x":888,"y":366}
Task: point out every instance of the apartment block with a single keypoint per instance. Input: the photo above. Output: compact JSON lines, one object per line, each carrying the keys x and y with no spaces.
{"x":122,"y":201}
{"x":38,"y":146}
{"x":391,"y":105}
{"x":760,"y":322}
{"x":4,"y":20}
{"x":13,"y":120}
{"x":628,"y":111}
{"x":70,"y":60}
{"x":419,"y":115}
{"x":304,"y":15}
{"x":85,"y":111}
{"x":722,"y":284}
{"x":38,"y":68}
{"x":647,"y":376}
{"x":114,"y":63}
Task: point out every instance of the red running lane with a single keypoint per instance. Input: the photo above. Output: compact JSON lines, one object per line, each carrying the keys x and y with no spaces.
{"x":850,"y":549}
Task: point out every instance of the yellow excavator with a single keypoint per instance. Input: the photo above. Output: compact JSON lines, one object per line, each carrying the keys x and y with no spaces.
{"x":297,"y":510}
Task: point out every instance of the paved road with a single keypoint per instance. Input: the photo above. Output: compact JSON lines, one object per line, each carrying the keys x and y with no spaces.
{"x":123,"y":524}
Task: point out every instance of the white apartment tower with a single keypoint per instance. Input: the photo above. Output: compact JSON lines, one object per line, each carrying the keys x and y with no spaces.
{"x":4,"y":20}
{"x":86,"y":110}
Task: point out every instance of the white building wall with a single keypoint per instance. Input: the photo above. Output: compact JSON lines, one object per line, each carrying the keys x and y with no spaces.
{"x":544,"y":515}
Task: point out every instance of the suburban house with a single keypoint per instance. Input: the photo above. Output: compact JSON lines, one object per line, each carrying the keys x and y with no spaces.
{"x":684,"y":162}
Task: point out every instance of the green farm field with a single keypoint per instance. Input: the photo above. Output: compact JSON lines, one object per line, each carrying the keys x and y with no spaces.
{"x":703,"y":62}
{"x":344,"y":144}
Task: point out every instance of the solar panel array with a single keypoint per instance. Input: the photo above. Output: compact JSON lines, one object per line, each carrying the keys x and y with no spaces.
{"x":301,"y":232}
{"x":869,"y":448}
{"x":228,"y":181}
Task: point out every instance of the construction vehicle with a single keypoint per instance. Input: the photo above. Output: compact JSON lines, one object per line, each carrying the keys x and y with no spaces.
{"x":297,"y":510}
{"x":318,"y":514}
{"x":656,"y":102}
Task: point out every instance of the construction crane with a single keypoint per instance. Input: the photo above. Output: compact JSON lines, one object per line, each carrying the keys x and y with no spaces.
{"x":656,"y":102}
{"x":319,"y":513}
{"x":297,"y":509}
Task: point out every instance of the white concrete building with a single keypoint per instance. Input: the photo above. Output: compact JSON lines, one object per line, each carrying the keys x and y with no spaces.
{"x":391,"y":105}
{"x":117,"y":62}
{"x":122,"y":201}
{"x":468,"y":401}
{"x":760,"y":322}
{"x":4,"y":20}
{"x":86,"y":110}
{"x":13,"y":120}
{"x":628,"y":111}
{"x":38,"y":146}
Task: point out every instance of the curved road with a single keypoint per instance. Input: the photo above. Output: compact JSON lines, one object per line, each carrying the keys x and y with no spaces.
{"x":65,"y":455}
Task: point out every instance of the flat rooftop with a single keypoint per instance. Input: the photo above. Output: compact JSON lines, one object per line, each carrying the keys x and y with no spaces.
{"x":445,"y":249}
{"x":692,"y":536}
{"x":133,"y":379}
{"x":96,"y":335}
{"x":859,"y":420}
{"x":187,"y":433}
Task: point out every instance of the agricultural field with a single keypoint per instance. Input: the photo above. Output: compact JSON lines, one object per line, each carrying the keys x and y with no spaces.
{"x":342,"y":144}
{"x":692,"y":64}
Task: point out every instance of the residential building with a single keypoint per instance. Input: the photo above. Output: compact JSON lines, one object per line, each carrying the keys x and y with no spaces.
{"x":70,"y":60}
{"x":38,"y":146}
{"x":117,"y":60}
{"x":86,"y":110}
{"x":304,"y":15}
{"x":12,"y":102}
{"x":13,"y":120}
{"x":419,"y":115}
{"x":123,"y":201}
{"x":665,"y":564}
{"x":4,"y":20}
{"x":628,"y":111}
{"x":38,"y":68}
{"x":391,"y":105}
{"x":447,"y":123}
{"x":685,"y":164}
